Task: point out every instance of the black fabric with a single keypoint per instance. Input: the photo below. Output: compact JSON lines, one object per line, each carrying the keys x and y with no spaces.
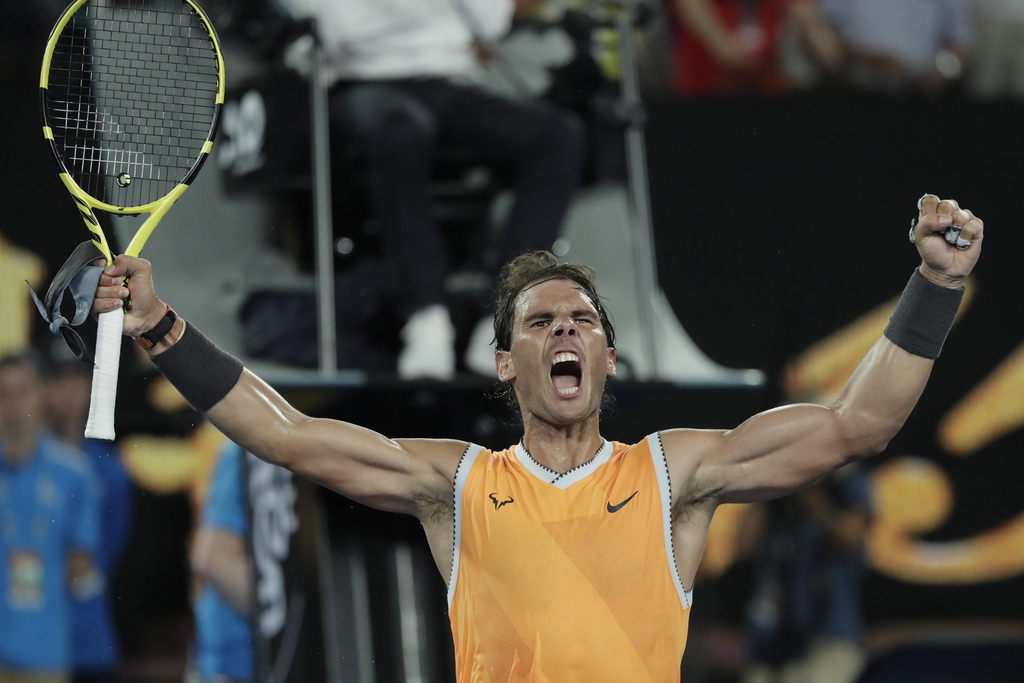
{"x":199,"y":369}
{"x":923,"y":316}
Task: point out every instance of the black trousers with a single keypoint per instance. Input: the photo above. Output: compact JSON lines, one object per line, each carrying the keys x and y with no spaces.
{"x":400,"y":123}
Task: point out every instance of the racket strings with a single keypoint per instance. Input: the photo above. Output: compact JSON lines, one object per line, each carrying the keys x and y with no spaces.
{"x":132,"y":97}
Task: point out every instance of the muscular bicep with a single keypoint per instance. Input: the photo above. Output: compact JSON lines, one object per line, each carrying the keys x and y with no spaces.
{"x":781,"y":450}
{"x":397,"y":476}
{"x":407,"y":475}
{"x":770,"y":455}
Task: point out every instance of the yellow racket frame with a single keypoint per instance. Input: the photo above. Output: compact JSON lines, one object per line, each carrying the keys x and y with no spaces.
{"x":100,"y":423}
{"x":85,"y":202}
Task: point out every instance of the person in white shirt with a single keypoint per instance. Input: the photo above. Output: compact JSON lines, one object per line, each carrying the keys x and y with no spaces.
{"x":404,"y":75}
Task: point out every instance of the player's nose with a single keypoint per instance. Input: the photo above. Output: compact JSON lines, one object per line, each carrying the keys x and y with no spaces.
{"x":564,"y":326}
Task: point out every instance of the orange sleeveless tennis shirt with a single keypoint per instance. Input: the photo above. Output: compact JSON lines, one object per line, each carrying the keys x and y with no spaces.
{"x":566,"y":577}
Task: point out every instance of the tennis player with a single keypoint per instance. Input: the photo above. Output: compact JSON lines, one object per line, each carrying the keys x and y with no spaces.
{"x":567,"y":556}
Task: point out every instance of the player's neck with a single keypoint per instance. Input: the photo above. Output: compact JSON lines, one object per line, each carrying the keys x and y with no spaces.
{"x":562,"y":447}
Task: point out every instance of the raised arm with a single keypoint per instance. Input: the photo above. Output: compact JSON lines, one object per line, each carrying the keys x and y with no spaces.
{"x":406,"y":476}
{"x":784,"y":449}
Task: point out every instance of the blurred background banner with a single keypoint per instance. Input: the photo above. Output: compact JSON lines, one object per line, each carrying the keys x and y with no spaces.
{"x":286,"y":527}
{"x":801,"y":203}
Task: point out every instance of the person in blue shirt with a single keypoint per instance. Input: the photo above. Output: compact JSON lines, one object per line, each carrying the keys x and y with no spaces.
{"x":49,"y":530}
{"x":95,"y":647}
{"x":222,"y":569}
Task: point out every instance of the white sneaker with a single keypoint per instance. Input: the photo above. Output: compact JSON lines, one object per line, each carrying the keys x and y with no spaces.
{"x":479,"y":356}
{"x":429,"y":351}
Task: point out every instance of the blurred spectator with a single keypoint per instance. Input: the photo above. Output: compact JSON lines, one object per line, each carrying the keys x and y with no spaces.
{"x":804,"y":620}
{"x":997,"y":61}
{"x":17,"y":266}
{"x":95,"y":643}
{"x":404,"y":72}
{"x":903,"y":46}
{"x":732,"y":47}
{"x":223,"y":574}
{"x":49,"y":528}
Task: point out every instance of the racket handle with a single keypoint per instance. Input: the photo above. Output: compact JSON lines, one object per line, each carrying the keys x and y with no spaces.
{"x":104,"y":376}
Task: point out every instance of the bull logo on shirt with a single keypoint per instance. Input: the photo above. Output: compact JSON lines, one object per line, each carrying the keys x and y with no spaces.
{"x":500,"y":501}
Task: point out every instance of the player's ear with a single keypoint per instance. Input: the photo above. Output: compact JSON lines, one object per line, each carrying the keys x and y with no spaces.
{"x":503,"y":363}
{"x":611,"y":363}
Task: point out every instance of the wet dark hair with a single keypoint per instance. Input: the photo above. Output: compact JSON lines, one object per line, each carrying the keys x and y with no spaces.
{"x":518,"y":275}
{"x":529,"y":269}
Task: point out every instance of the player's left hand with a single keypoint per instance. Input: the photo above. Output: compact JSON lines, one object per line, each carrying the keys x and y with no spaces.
{"x":942,"y":262}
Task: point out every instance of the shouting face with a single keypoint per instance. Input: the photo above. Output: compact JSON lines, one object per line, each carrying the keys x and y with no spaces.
{"x":559,"y":357}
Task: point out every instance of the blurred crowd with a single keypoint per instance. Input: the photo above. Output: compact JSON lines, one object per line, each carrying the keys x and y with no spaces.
{"x":897,"y":48}
{"x":532,"y":91}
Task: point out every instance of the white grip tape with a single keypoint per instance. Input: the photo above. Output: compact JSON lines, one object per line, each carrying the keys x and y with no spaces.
{"x":104,"y":376}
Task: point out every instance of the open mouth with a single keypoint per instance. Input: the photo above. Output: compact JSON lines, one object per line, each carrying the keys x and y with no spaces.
{"x":566,"y":373}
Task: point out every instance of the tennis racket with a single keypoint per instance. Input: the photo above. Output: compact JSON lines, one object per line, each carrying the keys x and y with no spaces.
{"x":131,"y":94}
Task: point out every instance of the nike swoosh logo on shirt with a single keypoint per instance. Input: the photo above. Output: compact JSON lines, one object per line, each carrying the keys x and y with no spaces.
{"x":616,"y":508}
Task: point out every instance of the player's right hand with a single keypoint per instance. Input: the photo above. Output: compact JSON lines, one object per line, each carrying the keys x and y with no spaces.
{"x":943,"y":263}
{"x":146,"y":308}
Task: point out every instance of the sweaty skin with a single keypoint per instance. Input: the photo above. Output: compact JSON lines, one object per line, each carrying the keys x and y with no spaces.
{"x":770,"y":455}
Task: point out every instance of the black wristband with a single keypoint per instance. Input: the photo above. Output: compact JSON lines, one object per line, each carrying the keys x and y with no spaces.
{"x":199,"y":369}
{"x":923,"y":316}
{"x":162,"y":328}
